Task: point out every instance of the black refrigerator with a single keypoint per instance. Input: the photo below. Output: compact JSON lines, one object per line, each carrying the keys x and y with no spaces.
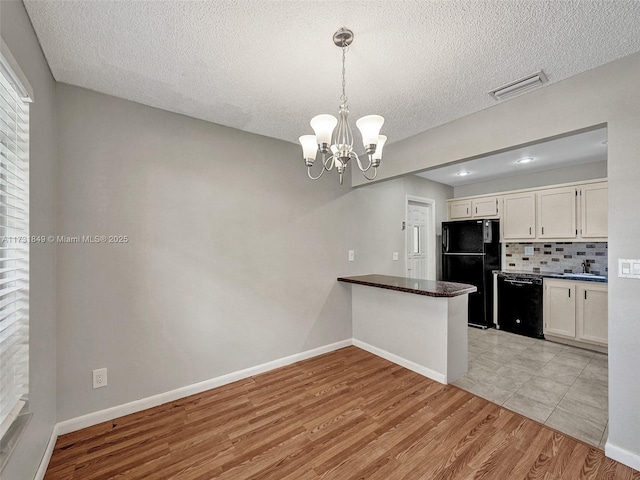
{"x":470,"y":254}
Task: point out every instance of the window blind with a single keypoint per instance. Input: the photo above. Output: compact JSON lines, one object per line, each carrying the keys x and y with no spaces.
{"x":14,"y":250}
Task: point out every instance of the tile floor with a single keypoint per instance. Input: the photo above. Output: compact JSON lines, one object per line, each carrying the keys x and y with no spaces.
{"x":561,"y":386}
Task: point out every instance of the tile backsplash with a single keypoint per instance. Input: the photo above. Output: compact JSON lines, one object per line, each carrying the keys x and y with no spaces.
{"x":556,"y":257}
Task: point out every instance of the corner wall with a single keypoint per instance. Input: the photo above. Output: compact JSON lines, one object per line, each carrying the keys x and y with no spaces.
{"x":376,"y":218}
{"x":607,"y":95}
{"x":16,"y":31}
{"x":231,"y":256}
{"x":230,"y":260}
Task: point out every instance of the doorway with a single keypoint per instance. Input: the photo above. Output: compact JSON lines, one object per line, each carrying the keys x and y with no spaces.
{"x":420,"y":238}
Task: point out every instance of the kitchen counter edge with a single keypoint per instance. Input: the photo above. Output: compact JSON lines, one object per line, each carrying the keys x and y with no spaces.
{"x":429,"y":288}
{"x":558,"y":276}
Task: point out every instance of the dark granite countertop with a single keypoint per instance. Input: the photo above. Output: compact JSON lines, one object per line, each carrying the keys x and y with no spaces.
{"x":560,"y":276}
{"x":429,"y":288}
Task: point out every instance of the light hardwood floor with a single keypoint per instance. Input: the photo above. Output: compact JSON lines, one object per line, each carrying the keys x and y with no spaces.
{"x":344,"y":415}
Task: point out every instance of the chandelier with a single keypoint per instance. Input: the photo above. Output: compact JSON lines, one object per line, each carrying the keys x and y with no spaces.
{"x":333,"y":136}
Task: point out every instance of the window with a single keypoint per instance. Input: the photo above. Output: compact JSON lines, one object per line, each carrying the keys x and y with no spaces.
{"x":14,"y":251}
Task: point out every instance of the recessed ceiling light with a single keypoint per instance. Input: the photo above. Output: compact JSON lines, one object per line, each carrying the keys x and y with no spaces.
{"x":525,"y":160}
{"x":463,"y":173}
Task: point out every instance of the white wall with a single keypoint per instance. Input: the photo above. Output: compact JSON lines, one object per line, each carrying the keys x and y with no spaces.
{"x":376,"y":219}
{"x":589,"y":171}
{"x":609,"y":96}
{"x":16,"y":31}
{"x":233,"y":253}
{"x":232,"y":257}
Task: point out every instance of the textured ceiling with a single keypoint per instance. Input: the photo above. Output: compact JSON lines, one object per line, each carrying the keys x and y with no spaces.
{"x":269,"y":66}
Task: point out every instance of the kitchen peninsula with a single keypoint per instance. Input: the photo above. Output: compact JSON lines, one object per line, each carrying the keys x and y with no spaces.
{"x":419,"y":324}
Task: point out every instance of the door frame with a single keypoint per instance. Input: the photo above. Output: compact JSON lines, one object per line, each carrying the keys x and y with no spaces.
{"x":431,"y":233}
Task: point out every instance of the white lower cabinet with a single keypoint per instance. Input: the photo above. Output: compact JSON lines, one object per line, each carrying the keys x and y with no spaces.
{"x":576,"y":311}
{"x":592,"y":313}
{"x":559,"y":308}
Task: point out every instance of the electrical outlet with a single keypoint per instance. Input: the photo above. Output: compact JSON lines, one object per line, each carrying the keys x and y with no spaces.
{"x":352,"y":255}
{"x":395,"y":255}
{"x":100,"y":378}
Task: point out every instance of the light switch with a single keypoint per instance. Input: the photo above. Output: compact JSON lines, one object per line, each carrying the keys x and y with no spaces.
{"x":629,"y":268}
{"x":395,"y":255}
{"x":352,"y":255}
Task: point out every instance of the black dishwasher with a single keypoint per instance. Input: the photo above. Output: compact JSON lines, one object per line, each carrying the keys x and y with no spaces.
{"x":520,"y":304}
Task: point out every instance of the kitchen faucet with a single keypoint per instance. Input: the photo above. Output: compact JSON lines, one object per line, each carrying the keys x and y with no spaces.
{"x":585,"y":267}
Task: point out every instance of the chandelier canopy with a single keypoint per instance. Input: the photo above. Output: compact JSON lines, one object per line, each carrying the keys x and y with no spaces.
{"x":333,"y":136}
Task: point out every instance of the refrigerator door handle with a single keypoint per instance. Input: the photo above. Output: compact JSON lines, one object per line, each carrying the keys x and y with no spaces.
{"x":488,"y":237}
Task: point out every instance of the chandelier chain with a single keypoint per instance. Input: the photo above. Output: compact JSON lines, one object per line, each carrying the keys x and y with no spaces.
{"x":343,"y":97}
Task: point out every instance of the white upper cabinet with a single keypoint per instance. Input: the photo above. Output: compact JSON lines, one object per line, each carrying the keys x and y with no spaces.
{"x":570,"y":212}
{"x":481,"y":207}
{"x":594,"y":206}
{"x":557,"y":213}
{"x":485,"y":207}
{"x":459,"y":209}
{"x":519,"y":216}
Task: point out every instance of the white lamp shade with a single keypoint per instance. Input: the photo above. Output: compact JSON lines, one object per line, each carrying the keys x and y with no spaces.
{"x":309,"y":146}
{"x":369,"y":127}
{"x":378,"y":153}
{"x":323,"y":126}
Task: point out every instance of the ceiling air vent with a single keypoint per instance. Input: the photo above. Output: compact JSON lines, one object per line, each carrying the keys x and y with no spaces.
{"x":519,"y":86}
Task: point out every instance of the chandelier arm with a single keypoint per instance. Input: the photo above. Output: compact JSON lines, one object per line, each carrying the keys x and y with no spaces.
{"x":328,"y":161}
{"x":311,"y":176}
{"x":375,"y":173}
{"x":324,"y":168}
{"x":362,"y":169}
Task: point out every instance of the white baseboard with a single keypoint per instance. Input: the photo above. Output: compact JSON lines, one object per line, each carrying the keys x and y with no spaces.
{"x":612,"y":451}
{"x":44,"y":463}
{"x":424,"y":371}
{"x":621,"y":455}
{"x":100,"y":416}
{"x":94,"y":418}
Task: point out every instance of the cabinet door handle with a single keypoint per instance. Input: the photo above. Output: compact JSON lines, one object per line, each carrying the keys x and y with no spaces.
{"x":467,"y":210}
{"x":476,"y":210}
{"x":585,"y":294}
{"x":569,"y":293}
{"x":543,"y":230}
{"x":529,"y":230}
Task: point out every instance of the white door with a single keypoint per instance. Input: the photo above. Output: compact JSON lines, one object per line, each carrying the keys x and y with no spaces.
{"x":419,"y":242}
